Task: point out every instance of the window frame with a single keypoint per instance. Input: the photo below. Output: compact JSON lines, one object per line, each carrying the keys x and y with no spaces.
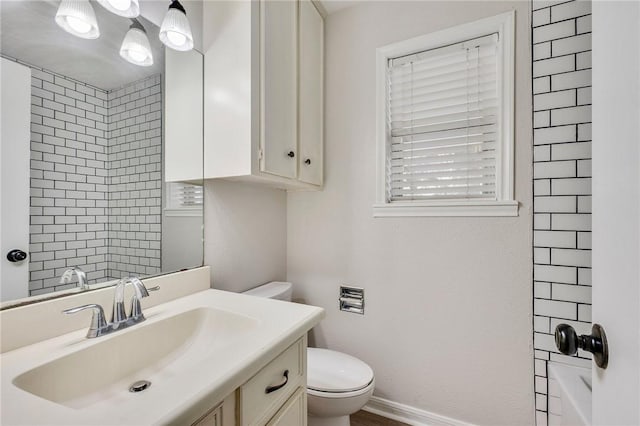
{"x":505,"y":203}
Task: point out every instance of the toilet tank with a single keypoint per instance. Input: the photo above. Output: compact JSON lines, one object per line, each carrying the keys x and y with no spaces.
{"x":274,"y":290}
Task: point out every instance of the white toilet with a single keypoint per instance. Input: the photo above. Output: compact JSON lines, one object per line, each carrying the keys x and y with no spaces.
{"x":337,"y":384}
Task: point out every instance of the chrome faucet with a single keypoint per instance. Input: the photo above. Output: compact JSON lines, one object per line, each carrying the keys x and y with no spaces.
{"x":68,"y":275}
{"x":135,"y":314}
{"x":119,"y":318}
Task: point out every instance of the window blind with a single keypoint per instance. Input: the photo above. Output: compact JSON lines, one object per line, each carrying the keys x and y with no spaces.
{"x":185,"y":195}
{"x":443,"y":122}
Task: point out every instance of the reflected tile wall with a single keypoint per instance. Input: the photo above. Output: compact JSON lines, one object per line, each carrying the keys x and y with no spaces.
{"x":135,"y":178}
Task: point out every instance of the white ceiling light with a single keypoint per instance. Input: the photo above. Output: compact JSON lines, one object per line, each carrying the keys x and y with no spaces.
{"x":126,"y":8}
{"x":175,"y":31}
{"x":135,"y":46}
{"x":78,"y":18}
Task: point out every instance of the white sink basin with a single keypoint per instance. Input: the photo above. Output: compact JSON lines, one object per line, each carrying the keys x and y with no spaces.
{"x":152,"y":353}
{"x":195,"y":351}
{"x":569,"y":395}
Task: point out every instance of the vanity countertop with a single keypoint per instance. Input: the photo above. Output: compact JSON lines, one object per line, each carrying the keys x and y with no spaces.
{"x":185,"y":382}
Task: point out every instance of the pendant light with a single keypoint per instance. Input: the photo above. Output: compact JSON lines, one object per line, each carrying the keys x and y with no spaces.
{"x":77,"y":17}
{"x":126,"y":8}
{"x":135,"y":46}
{"x":175,"y":31}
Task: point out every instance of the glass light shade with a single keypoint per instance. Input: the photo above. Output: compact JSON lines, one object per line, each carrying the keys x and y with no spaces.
{"x":136,"y":49}
{"x":175,"y":31}
{"x":77,"y":17}
{"x":126,"y":8}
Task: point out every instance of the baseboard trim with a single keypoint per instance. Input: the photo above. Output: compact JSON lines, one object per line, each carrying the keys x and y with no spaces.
{"x":409,"y":415}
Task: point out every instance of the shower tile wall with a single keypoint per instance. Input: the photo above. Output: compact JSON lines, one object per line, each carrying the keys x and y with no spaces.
{"x":96,"y":188}
{"x":561,"y":37}
{"x":135,"y":181}
{"x":68,"y":222}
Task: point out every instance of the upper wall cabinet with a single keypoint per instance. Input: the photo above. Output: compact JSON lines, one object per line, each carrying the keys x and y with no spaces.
{"x":263,"y":93}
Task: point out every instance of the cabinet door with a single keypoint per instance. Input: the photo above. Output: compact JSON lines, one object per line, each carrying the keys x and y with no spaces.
{"x":212,"y":418}
{"x":293,"y":412}
{"x":221,"y":415}
{"x":278,"y":82}
{"x":310,"y":93}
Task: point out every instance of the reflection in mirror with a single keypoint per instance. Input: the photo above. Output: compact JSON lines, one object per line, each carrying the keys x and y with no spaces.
{"x":85,"y":191}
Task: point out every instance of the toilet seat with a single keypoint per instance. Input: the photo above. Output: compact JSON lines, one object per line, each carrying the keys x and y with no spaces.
{"x":330,"y":372}
{"x":341,"y":395}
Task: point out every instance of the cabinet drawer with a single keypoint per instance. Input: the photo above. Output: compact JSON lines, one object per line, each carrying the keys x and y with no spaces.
{"x":267,"y":391}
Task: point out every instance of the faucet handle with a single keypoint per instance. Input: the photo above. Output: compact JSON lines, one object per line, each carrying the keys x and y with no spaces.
{"x":119,"y":315}
{"x":98,"y":322}
{"x":136,"y":308}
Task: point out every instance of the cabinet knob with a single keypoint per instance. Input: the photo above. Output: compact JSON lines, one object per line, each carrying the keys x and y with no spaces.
{"x":291,"y":154}
{"x":307,"y":161}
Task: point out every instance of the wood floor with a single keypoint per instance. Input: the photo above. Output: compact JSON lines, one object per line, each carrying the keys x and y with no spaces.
{"x":363,"y":418}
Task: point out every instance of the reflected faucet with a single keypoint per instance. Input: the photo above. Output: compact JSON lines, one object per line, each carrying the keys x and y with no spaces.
{"x":82,"y":277}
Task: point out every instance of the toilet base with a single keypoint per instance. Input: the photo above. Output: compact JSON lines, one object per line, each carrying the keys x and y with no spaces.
{"x":328,"y":421}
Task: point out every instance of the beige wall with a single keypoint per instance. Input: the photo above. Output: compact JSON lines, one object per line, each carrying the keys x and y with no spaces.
{"x":245,"y":234}
{"x":448,"y":318}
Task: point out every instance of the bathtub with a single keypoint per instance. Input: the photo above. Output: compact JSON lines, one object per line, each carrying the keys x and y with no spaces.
{"x":569,"y":395}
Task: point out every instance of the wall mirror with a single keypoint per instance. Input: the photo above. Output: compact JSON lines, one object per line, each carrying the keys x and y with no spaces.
{"x":101,"y":157}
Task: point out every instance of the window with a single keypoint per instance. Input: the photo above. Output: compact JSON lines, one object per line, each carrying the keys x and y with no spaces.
{"x":445,"y":123}
{"x":184,"y":199}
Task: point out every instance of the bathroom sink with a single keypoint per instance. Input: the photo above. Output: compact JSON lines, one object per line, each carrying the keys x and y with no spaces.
{"x":152,"y":351}
{"x":195,"y":350}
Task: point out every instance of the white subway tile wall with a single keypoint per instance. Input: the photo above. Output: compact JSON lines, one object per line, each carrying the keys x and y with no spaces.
{"x":562,"y":181}
{"x":135,"y":178}
{"x":69,"y":201}
{"x":95,"y":176}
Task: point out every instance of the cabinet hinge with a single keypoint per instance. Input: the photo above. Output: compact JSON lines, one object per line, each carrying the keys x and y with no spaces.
{"x":259,"y":154}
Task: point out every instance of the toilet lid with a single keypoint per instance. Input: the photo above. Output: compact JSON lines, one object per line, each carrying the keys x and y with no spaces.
{"x":331,"y":371}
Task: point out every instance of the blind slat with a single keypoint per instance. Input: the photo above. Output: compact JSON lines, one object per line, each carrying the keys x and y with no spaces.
{"x":467,"y":119}
{"x":182,"y":195}
{"x":419,"y":81}
{"x":448,"y":93}
{"x":445,"y":134}
{"x":432,"y":184}
{"x":459,"y":63}
{"x":479,"y":190}
{"x":442,"y":154}
{"x":474,"y":144}
{"x":437,"y":164}
{"x":423,"y":111}
{"x":472,"y":164}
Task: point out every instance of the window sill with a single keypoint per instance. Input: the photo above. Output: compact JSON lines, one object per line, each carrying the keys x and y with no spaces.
{"x":447,"y":209}
{"x":186,"y":212}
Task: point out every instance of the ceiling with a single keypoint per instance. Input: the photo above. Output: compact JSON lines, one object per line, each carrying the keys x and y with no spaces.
{"x":333,"y":6}
{"x":29,"y":33}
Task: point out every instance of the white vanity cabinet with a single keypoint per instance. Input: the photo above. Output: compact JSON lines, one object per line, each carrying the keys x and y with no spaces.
{"x":275,"y":395}
{"x":264,"y":92}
